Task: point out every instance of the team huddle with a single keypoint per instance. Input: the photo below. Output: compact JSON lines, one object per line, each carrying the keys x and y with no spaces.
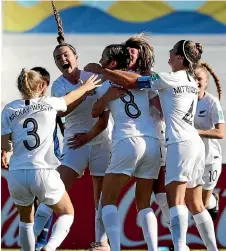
{"x":122,"y":120}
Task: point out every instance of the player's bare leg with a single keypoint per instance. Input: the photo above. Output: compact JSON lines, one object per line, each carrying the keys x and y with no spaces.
{"x":160,"y":195}
{"x":68,"y":176}
{"x":101,"y":240}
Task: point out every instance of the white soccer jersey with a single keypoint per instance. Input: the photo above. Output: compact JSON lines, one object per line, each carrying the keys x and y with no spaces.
{"x":130,"y":114}
{"x":31,"y":124}
{"x":209,"y":113}
{"x":80,"y":120}
{"x":178,"y":97}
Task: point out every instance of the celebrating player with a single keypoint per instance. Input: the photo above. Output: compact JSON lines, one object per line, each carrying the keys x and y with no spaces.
{"x":135,"y":150}
{"x":95,"y":151}
{"x":209,"y":120}
{"x":42,"y":238}
{"x":30,"y":122}
{"x":142,"y":61}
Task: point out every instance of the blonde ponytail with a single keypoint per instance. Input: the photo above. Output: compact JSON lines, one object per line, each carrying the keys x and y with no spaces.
{"x":215,"y":78}
{"x":28,"y":83}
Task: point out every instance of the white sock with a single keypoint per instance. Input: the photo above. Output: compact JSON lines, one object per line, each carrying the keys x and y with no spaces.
{"x":42,"y":215}
{"x":60,"y":231}
{"x":111,"y":222}
{"x":212,"y":202}
{"x":100,"y":234}
{"x":204,"y":223}
{"x":179,"y":226}
{"x":150,"y":228}
{"x":161,"y":200}
{"x":27,"y":237}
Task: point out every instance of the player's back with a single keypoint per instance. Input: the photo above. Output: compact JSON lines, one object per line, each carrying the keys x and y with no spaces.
{"x":179,"y":100}
{"x":31,"y":124}
{"x":130,"y":114}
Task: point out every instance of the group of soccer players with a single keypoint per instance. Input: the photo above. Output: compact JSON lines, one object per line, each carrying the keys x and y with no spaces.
{"x":165,"y":126}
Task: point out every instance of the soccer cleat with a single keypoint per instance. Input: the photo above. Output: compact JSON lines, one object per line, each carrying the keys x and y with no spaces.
{"x":214,"y":211}
{"x":171,"y":248}
{"x":46,"y":249}
{"x":99,"y":246}
{"x":39,"y":246}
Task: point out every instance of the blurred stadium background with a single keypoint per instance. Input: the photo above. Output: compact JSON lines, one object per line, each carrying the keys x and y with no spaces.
{"x":29,"y":37}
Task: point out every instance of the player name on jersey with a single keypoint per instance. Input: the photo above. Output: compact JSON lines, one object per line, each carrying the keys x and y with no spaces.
{"x":25,"y":110}
{"x":185,"y":89}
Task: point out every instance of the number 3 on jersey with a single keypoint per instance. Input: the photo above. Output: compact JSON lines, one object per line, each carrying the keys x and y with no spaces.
{"x":32,"y":132}
{"x":189,"y":115}
{"x":129,"y":104}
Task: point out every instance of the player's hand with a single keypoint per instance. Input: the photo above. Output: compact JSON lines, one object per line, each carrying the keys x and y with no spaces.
{"x":4,"y":160}
{"x":94,"y":68}
{"x":115,"y":93}
{"x":77,"y":140}
{"x":91,"y":83}
{"x":88,"y":93}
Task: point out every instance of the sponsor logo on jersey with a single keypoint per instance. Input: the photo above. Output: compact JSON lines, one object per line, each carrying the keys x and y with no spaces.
{"x":202,"y":113}
{"x":62,"y":156}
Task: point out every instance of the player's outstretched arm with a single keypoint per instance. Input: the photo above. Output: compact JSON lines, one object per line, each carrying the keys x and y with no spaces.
{"x":100,"y":106}
{"x":89,"y":85}
{"x":128,"y":80}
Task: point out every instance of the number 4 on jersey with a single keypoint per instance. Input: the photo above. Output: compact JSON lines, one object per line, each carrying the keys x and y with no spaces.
{"x":189,"y":115}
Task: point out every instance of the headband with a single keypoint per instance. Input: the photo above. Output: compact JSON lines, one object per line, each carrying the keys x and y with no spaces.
{"x":185,"y":53}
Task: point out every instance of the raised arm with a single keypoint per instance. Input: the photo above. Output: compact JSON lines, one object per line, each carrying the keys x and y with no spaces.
{"x":72,"y":106}
{"x":75,"y":98}
{"x":111,"y":94}
{"x":128,"y":80}
{"x":100,"y":106}
{"x":89,"y":85}
{"x":131,"y":80}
